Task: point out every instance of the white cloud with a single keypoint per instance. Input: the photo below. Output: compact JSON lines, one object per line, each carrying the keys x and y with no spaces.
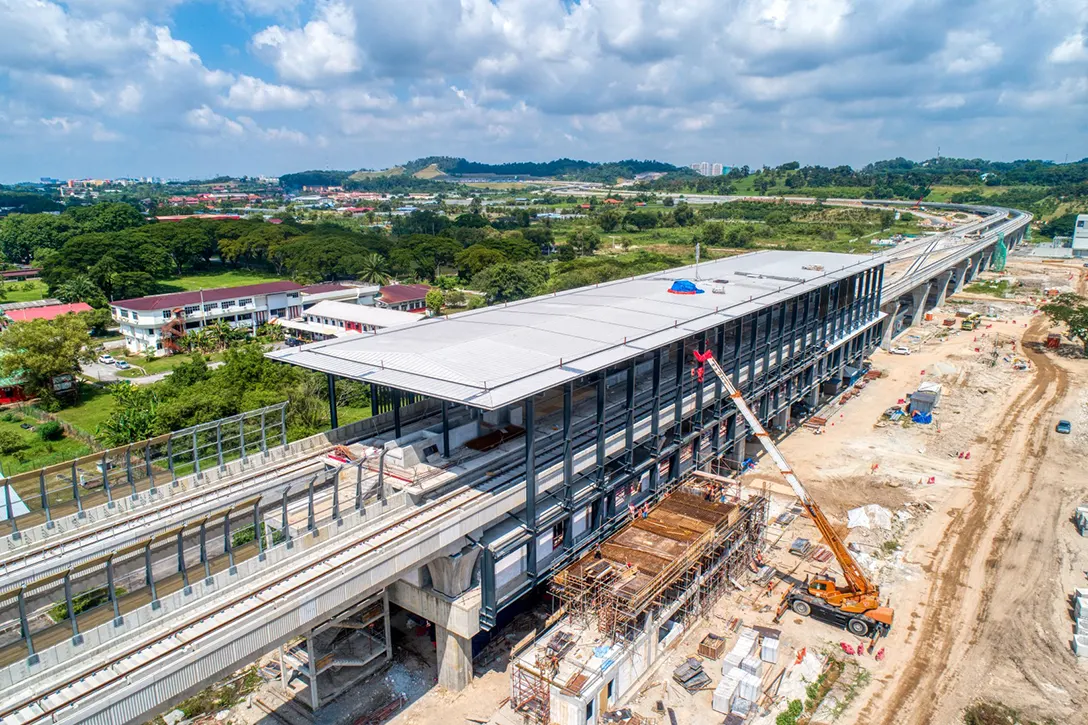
{"x":322,"y":49}
{"x":205,"y":120}
{"x":253,"y":94}
{"x":1074,"y":49}
{"x":969,"y":52}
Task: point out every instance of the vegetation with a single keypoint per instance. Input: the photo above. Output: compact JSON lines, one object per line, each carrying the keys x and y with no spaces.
{"x":992,"y":287}
{"x":195,"y":393}
{"x":222,"y":696}
{"x":84,"y":601}
{"x":793,"y":711}
{"x":36,"y":446}
{"x":37,"y":351}
{"x":1070,"y":310}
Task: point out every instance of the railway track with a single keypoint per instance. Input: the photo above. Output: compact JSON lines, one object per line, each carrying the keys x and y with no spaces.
{"x":141,"y":658}
{"x":58,"y":553}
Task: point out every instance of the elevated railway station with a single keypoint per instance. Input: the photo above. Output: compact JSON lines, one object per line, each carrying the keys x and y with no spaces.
{"x":506,"y":443}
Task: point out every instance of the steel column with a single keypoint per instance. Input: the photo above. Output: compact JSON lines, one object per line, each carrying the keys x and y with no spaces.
{"x":629,"y":441}
{"x":396,"y":413}
{"x":332,"y":401}
{"x":568,"y":444}
{"x":445,"y":429}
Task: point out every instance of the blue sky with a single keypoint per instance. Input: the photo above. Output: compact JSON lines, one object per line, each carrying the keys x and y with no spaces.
{"x":186,"y":88}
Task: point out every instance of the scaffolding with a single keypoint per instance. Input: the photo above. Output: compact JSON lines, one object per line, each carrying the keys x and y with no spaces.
{"x":621,"y":588}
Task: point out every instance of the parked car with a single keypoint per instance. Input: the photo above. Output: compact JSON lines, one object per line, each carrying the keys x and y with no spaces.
{"x":293,"y":342}
{"x":122,"y":365}
{"x":106,"y":359}
{"x":1064,"y":426}
{"x":900,"y":350}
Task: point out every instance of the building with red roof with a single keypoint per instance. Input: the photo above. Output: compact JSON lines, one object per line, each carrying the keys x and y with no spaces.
{"x":407,"y":297}
{"x":48,"y":312}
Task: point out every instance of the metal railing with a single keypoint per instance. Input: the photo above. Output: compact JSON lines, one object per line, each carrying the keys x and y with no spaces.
{"x":64,"y":489}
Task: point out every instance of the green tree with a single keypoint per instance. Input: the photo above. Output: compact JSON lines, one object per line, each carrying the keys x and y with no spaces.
{"x":668,"y":202}
{"x":641,"y":219}
{"x":511,"y":281}
{"x":80,"y":288}
{"x":40,"y":350}
{"x":712,"y":234}
{"x":609,"y":219}
{"x":683,"y":214}
{"x":435,"y":300}
{"x":584,"y":242}
{"x":135,"y":416}
{"x":477,"y":258}
{"x":1070,"y":310}
{"x":373,"y":269}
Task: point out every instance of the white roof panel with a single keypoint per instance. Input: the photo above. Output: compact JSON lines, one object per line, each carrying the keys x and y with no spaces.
{"x":499,"y":355}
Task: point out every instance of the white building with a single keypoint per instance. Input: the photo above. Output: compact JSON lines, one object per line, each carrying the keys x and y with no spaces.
{"x":156,"y":321}
{"x":338,"y":319}
{"x":1080,"y":236}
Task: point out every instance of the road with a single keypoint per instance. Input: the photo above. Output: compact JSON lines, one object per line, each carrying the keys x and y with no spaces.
{"x":109,"y":373}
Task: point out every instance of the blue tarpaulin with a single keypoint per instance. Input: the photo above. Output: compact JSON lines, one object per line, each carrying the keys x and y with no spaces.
{"x":684,"y":287}
{"x":923,"y":418}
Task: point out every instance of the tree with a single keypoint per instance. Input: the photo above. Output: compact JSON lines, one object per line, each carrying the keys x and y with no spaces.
{"x":40,"y":350}
{"x":683,"y":214}
{"x":21,"y":235}
{"x":669,"y":201}
{"x":511,"y":281}
{"x":97,"y":320}
{"x":712,"y":234}
{"x":135,"y":417}
{"x":80,"y":289}
{"x":642,"y":219}
{"x":477,"y":258}
{"x":541,"y":236}
{"x":373,"y":269}
{"x":609,"y":219}
{"x":1071,"y":310}
{"x":435,"y":300}
{"x":584,"y":242}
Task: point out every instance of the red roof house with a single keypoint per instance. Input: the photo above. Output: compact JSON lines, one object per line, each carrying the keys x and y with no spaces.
{"x":49,"y":312}
{"x":407,"y":297}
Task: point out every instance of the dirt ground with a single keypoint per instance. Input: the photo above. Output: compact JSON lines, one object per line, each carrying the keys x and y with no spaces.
{"x":982,"y":555}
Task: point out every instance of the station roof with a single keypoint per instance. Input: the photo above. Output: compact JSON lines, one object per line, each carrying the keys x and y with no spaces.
{"x":495,"y":356}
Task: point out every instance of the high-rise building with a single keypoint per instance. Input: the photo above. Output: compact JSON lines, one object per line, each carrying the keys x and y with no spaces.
{"x":705,"y":168}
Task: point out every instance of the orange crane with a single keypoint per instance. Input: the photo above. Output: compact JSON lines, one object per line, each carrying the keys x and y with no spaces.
{"x":855,"y":606}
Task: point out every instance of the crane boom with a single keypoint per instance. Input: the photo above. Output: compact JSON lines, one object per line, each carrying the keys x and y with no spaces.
{"x":851,"y":570}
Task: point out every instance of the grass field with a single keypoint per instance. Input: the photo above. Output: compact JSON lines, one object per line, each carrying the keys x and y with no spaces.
{"x":217,"y":278}
{"x":159,"y":364}
{"x":94,"y":407}
{"x":36,"y":453}
{"x":24,"y":291}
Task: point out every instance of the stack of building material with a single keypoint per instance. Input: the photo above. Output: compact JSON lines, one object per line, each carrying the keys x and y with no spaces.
{"x":1081,"y":519}
{"x":814,"y":423}
{"x":726,"y":689}
{"x":769,"y":652}
{"x":739,"y":664}
{"x":690,"y":675}
{"x":1080,"y":614}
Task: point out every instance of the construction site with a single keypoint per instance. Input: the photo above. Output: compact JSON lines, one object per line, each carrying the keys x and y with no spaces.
{"x":734,"y":521}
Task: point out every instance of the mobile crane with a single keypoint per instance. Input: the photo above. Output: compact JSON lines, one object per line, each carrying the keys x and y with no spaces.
{"x":856,"y":606}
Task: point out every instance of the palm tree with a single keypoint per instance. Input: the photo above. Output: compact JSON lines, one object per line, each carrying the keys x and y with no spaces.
{"x":373,"y":269}
{"x":80,"y":288}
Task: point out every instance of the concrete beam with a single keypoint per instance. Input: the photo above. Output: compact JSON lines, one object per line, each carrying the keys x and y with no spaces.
{"x":454,"y":659}
{"x":452,"y":575}
{"x":460,"y":616}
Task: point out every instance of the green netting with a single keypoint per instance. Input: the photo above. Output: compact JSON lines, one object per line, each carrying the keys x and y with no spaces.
{"x":1001,"y":253}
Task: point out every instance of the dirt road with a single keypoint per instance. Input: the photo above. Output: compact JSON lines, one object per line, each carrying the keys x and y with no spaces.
{"x":995,"y":623}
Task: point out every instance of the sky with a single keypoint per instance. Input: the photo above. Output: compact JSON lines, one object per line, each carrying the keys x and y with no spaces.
{"x":196,"y":88}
